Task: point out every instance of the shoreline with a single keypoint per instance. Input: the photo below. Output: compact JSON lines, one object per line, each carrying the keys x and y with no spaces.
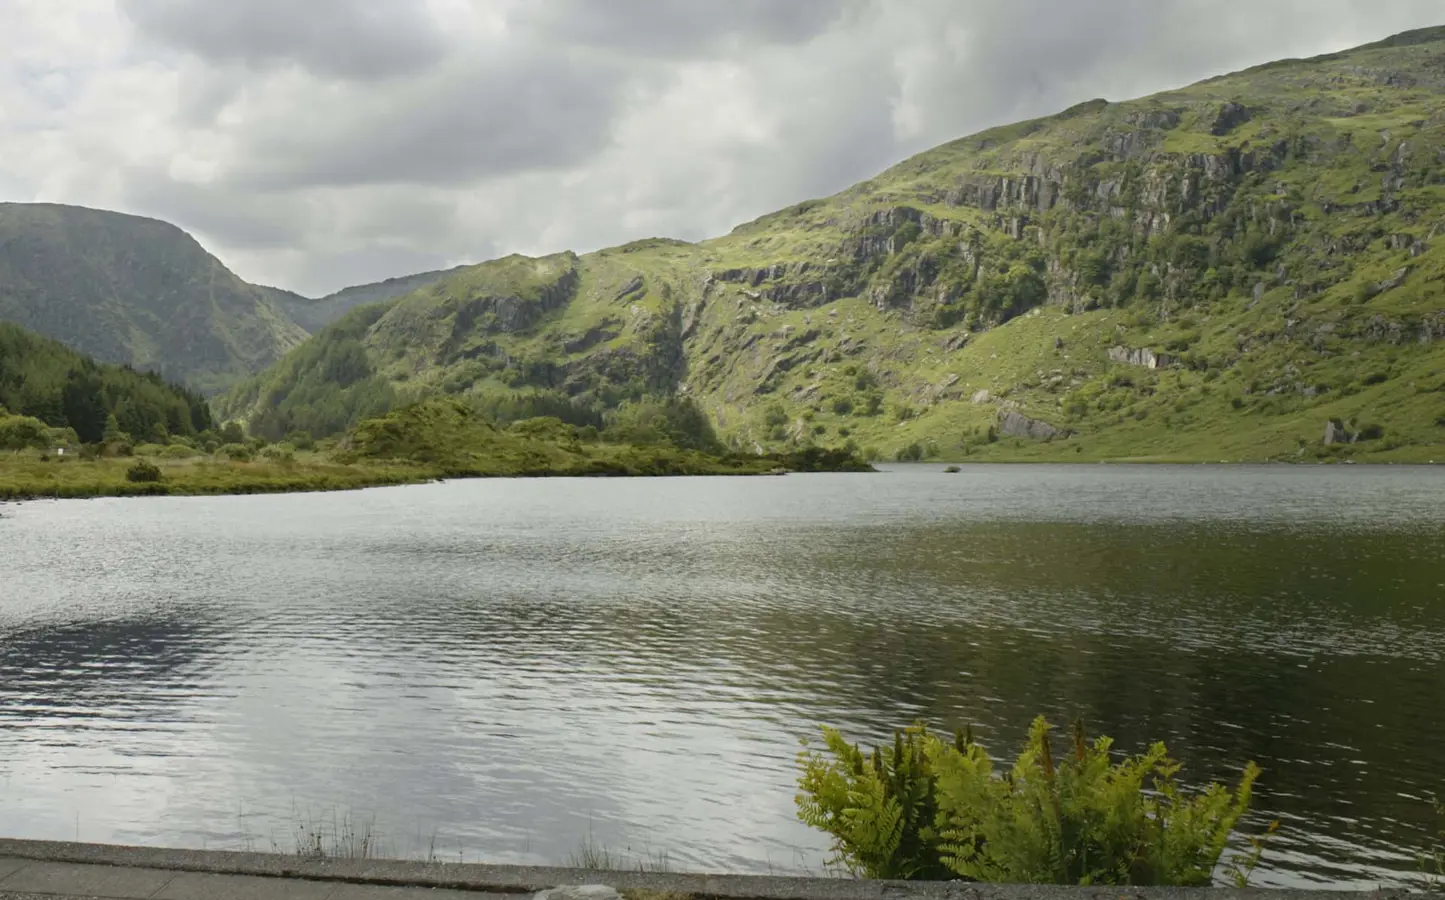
{"x":66,"y":869}
{"x":331,"y":481}
{"x":86,"y":480}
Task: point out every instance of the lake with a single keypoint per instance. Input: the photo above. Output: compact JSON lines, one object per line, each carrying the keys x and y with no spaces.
{"x":505,"y":670}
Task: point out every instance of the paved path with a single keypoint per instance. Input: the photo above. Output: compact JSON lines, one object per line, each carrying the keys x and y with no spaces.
{"x":40,"y":870}
{"x":23,"y":879}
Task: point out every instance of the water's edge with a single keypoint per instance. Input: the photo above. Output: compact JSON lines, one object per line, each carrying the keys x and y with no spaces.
{"x":527,"y":879}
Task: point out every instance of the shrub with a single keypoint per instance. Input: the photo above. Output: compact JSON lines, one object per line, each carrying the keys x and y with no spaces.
{"x":843,"y":406}
{"x":236,"y":452}
{"x":21,"y":432}
{"x":912,"y":453}
{"x":930,"y":809}
{"x":1370,"y":432}
{"x":178,"y":451}
{"x":143,"y":472}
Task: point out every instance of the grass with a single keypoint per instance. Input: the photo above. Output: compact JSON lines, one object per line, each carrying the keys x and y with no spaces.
{"x":426,"y":442}
{"x":597,"y":857}
{"x":25,"y":476}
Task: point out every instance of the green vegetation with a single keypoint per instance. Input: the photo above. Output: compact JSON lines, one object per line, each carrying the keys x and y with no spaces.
{"x":130,"y":290}
{"x":1212,"y":273}
{"x":647,"y":439}
{"x":599,"y":857}
{"x":931,"y":809}
{"x":28,"y":476}
{"x":422,"y":442}
{"x":58,"y":398}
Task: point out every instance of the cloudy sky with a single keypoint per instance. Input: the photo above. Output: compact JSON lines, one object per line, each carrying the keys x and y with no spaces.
{"x":313,"y":144}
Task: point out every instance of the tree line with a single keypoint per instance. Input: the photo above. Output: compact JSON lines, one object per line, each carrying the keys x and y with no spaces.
{"x":49,"y":384}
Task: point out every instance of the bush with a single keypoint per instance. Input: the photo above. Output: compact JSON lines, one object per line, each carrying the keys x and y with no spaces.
{"x":280,"y":453}
{"x":143,"y":472}
{"x":912,"y":453}
{"x":236,"y":452}
{"x":928,"y":809}
{"x":21,"y":432}
{"x":842,"y":406}
{"x":178,"y":451}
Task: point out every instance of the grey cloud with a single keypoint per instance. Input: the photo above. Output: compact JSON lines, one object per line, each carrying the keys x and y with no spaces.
{"x":323,"y":271}
{"x":236,"y":220}
{"x":677,"y":28}
{"x":357,"y":39}
{"x":479,"y":119}
{"x":1004,"y":60}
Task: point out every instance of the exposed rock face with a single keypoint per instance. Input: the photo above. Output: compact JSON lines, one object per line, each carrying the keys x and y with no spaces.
{"x":1141,"y":356}
{"x":1394,"y":281}
{"x":1015,"y":424}
{"x":982,"y":397}
{"x":1335,"y":433}
{"x":1231,"y":116}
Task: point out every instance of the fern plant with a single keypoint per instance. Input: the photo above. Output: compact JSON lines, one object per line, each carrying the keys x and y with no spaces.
{"x":880,"y":808}
{"x":933,"y":809}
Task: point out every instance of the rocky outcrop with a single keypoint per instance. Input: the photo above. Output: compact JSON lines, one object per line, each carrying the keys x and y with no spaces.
{"x":1336,"y":433}
{"x":1015,"y":424}
{"x":1140,"y":356}
{"x":1229,"y":117}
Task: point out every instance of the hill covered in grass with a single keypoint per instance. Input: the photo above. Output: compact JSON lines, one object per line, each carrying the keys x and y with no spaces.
{"x":137,"y":291}
{"x":1252,"y":267}
{"x":141,"y":292}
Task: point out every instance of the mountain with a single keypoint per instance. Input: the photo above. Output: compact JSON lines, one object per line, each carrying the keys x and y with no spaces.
{"x":1250,"y":267}
{"x":314,"y":314}
{"x":44,"y":384}
{"x":131,"y":290}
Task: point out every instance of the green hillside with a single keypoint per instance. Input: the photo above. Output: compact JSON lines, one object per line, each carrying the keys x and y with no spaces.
{"x":138,"y":291}
{"x":316,"y":313}
{"x":1247,"y":268}
{"x":47,"y":388}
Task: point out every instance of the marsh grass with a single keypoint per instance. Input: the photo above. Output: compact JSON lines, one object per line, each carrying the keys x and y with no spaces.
{"x":599,"y":857}
{"x":26,"y":476}
{"x":343,"y":836}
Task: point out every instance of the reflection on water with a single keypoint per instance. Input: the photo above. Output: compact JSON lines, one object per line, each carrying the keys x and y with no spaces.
{"x":514,"y":665}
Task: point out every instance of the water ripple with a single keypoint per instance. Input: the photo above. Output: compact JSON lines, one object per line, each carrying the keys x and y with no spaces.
{"x":512,"y":666}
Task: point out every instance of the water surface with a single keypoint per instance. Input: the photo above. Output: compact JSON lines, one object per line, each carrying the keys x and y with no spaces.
{"x":500,"y":669}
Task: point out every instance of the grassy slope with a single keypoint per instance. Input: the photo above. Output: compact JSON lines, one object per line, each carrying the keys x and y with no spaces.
{"x":1273,"y":230}
{"x":131,"y":290}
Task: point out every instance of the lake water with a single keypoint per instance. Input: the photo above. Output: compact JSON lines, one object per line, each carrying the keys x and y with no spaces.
{"x":506,"y":669}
